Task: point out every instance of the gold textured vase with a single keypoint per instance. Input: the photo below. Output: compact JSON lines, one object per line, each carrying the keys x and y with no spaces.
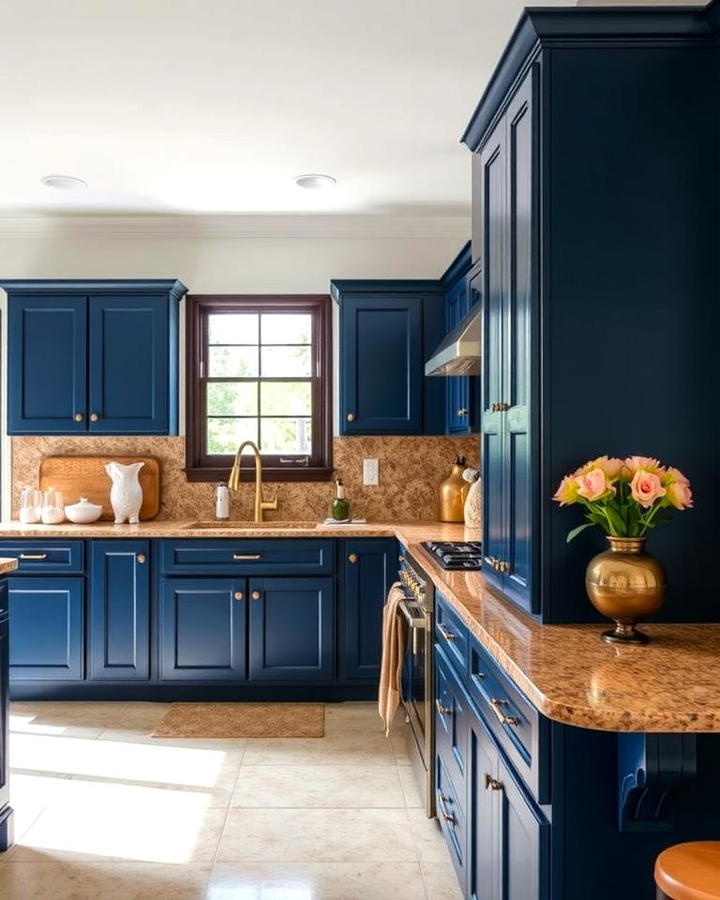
{"x":625,"y":584}
{"x":453,"y":492}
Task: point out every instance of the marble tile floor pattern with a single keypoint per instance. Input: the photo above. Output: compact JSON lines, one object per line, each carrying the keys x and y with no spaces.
{"x":102,"y":810}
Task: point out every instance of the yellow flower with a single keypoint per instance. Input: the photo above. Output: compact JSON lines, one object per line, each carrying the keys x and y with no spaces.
{"x":567,"y":493}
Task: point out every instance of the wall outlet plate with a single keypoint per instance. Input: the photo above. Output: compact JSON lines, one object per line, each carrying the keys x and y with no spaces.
{"x":370,"y":472}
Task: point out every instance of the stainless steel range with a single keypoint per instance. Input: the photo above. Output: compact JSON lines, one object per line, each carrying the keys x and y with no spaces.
{"x":465,"y":556}
{"x":418,"y":610}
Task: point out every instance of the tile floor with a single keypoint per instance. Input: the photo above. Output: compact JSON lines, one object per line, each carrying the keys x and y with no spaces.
{"x":102,"y":810}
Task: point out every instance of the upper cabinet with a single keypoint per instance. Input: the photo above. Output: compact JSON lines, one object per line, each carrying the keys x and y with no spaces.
{"x":595,"y":234}
{"x":387,"y":328}
{"x":93,"y":357}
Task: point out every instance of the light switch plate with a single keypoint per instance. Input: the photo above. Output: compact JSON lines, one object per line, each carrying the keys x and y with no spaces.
{"x":370,"y":472}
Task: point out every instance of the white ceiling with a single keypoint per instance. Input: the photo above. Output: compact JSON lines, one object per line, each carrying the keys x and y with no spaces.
{"x":191,"y":106}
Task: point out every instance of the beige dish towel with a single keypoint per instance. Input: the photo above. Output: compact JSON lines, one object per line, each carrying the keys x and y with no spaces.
{"x":393,"y":653}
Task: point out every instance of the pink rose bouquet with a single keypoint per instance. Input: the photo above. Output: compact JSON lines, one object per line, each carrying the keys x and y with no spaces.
{"x":624,"y":496}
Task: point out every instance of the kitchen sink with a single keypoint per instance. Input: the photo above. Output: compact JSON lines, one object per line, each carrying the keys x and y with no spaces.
{"x":224,"y":524}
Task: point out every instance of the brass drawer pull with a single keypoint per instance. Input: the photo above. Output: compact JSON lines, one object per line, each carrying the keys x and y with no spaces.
{"x":78,"y":417}
{"x":141,"y":558}
{"x":33,"y":556}
{"x":497,"y":708}
{"x":353,"y":558}
{"x":239,"y":557}
{"x":448,"y":635}
{"x":255,"y":595}
{"x":462,"y":411}
{"x":449,"y":817}
{"x":350,"y":417}
{"x":443,"y":710}
{"x":238,"y":595}
{"x":492,"y":784}
{"x":94,"y":417}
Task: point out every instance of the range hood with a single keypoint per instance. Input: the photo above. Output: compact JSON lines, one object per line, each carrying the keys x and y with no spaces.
{"x":459,"y":352}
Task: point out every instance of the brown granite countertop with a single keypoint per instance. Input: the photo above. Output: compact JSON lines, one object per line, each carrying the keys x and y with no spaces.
{"x":407,"y":532}
{"x":7,"y":565}
{"x":571,"y":676}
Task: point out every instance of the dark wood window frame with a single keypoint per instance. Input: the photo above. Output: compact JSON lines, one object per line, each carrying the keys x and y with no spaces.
{"x":201,"y":466}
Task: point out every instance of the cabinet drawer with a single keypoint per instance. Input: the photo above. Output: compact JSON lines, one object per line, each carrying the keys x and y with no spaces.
{"x":45,"y":557}
{"x":452,"y":709}
{"x":451,"y":634}
{"x":449,"y":796}
{"x":262,"y":556}
{"x":517,"y":726}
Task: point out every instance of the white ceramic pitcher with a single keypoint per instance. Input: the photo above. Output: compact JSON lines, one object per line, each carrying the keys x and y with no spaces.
{"x":125,"y":494}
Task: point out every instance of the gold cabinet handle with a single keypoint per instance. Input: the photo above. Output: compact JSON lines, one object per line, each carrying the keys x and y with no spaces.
{"x":443,"y":710}
{"x":448,"y":635}
{"x":353,"y":558}
{"x":238,"y":595}
{"x":94,"y":417}
{"x":497,"y":708}
{"x":350,"y":417}
{"x":239,"y":557}
{"x":33,"y":556}
{"x":462,"y":411}
{"x":255,"y":595}
{"x":78,"y":417}
{"x":448,"y":817}
{"x":492,"y":784}
{"x":505,"y":567}
{"x":141,"y":558}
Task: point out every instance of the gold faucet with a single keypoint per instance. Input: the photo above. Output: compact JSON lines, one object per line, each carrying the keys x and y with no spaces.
{"x":234,"y":480}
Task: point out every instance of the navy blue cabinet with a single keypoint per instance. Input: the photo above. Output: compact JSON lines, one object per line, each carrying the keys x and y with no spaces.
{"x":386,"y":329}
{"x":6,"y":813}
{"x":119,"y":606}
{"x":368,"y":567}
{"x":202,"y":629}
{"x":47,"y":634}
{"x":291,"y":629}
{"x":93,"y":357}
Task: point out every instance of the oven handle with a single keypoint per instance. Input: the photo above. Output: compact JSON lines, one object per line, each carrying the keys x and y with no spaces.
{"x":413,"y":621}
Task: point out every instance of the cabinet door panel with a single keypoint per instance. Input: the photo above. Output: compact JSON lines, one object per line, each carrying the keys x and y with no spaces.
{"x":381,"y":365}
{"x":47,"y":377}
{"x":292,"y":629}
{"x":120,"y":610}
{"x":365,"y":586}
{"x":46,"y":628}
{"x":519,"y":299}
{"x":484,"y":868}
{"x":129,"y":380}
{"x":524,"y":837}
{"x":202,"y":629}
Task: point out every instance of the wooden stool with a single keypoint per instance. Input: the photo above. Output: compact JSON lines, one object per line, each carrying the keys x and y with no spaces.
{"x":689,"y":871}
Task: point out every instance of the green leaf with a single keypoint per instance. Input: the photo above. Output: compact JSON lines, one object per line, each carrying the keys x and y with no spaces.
{"x":576,"y":531}
{"x":617,"y":520}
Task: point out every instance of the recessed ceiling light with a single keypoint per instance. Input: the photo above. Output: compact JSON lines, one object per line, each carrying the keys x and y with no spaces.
{"x":314,"y":182}
{"x":64,"y":182}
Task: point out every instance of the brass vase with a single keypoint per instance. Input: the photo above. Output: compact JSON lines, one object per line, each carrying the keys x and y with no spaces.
{"x":625,"y":584}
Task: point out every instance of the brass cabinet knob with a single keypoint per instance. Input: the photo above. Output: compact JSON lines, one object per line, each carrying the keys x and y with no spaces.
{"x":353,"y":558}
{"x":255,"y":595}
{"x":78,"y":417}
{"x":94,"y":417}
{"x":141,"y":558}
{"x":350,"y":417}
{"x":238,"y":595}
{"x":462,"y":411}
{"x":492,"y":784}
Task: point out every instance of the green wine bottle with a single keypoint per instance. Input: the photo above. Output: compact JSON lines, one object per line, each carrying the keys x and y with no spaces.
{"x":340,"y":507}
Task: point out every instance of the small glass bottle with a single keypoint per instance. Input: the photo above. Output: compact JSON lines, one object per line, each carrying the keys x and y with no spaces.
{"x":340,"y":507}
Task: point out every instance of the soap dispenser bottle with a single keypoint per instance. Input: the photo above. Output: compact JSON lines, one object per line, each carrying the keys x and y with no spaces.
{"x":453,"y":492}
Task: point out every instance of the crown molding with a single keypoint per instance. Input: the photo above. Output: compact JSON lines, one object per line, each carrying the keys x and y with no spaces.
{"x":245,"y":227}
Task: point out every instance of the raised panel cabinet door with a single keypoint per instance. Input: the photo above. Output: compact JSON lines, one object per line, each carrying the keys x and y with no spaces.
{"x":368,"y":568}
{"x":47,"y":365}
{"x":120,"y":610}
{"x":47,"y":634}
{"x":292,"y":629}
{"x":381,"y":364}
{"x":458,"y":404}
{"x":202,"y":629}
{"x":524,"y":843}
{"x":520,"y":297}
{"x":129,"y":365}
{"x":483,"y":815}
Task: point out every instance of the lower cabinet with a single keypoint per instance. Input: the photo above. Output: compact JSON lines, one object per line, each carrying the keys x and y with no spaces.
{"x":119,"y":610}
{"x":47,"y":633}
{"x":202,"y":629}
{"x":368,"y":567}
{"x":5,"y":811}
{"x":292,"y":629}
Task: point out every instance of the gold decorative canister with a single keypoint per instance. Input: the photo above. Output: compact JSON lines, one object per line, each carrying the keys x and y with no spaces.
{"x":625,"y":584}
{"x":453,"y":492}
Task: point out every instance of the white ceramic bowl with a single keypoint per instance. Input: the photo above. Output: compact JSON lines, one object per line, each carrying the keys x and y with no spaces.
{"x":84,"y":512}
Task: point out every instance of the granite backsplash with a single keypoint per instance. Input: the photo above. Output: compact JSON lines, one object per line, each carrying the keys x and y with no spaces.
{"x":411,"y":468}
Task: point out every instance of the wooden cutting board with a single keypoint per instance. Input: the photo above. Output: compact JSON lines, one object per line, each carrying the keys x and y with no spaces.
{"x":85,"y":476}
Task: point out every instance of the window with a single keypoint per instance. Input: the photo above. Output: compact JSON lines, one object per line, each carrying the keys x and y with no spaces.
{"x":259,"y":369}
